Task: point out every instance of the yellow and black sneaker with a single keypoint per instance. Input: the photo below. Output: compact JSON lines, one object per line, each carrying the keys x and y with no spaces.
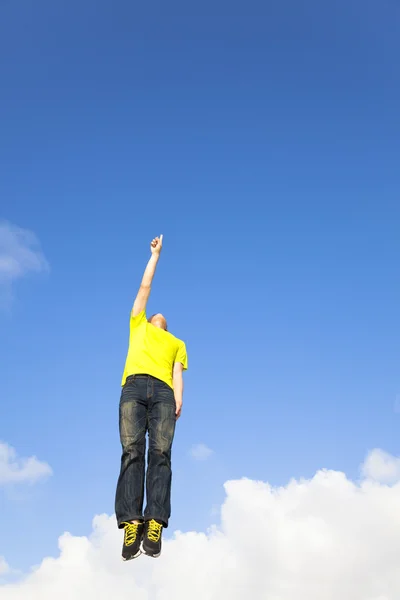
{"x":151,"y":544}
{"x":132,"y":539}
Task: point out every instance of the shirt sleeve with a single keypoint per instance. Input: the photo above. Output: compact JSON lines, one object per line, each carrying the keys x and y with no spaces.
{"x":137,"y":319}
{"x":181,"y":356}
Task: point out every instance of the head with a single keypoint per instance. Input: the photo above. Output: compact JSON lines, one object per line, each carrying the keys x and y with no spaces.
{"x":158,"y":320}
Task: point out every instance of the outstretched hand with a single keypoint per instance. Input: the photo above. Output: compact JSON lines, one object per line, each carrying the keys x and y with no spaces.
{"x":156,"y":245}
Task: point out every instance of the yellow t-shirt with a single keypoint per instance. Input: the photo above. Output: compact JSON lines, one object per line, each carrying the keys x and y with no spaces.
{"x":152,"y":351}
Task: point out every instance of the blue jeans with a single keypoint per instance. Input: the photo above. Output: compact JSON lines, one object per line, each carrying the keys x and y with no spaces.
{"x":146,"y":405}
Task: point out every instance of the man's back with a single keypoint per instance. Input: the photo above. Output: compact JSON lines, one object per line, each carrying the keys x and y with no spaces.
{"x":152,"y":351}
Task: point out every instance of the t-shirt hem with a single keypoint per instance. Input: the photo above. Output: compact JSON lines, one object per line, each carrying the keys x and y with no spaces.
{"x":150,"y":374}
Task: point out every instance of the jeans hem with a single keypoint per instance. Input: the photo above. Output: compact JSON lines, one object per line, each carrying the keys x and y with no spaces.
{"x":159,"y":519}
{"x":134,"y":518}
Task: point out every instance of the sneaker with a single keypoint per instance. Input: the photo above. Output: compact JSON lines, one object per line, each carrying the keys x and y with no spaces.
{"x":151,"y":544}
{"x":132,"y":539}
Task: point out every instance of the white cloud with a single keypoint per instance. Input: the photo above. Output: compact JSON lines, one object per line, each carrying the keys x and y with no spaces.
{"x":20,"y":470}
{"x":20,"y":254}
{"x":381,"y":466}
{"x":201,"y":452}
{"x":327,"y":538}
{"x":4,"y":568}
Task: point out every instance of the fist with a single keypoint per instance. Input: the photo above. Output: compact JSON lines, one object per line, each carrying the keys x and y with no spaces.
{"x":178,"y":410}
{"x":156,"y":245}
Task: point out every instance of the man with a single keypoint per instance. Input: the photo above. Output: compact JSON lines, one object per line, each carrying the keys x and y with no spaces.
{"x":151,"y":401}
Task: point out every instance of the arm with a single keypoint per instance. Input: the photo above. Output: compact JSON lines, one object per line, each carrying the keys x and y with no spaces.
{"x":145,"y":287}
{"x":177,"y":378}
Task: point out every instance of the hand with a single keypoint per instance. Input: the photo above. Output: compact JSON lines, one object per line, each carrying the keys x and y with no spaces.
{"x":156,"y":245}
{"x":178,"y":410}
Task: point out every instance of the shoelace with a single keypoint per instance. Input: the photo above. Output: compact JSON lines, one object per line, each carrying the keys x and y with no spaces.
{"x":131,"y":530}
{"x":154,"y":531}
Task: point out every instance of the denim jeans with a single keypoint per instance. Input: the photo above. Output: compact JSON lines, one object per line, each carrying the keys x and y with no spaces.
{"x":146,"y":405}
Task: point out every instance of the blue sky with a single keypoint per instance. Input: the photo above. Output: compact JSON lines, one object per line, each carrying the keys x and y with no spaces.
{"x":263,"y":142}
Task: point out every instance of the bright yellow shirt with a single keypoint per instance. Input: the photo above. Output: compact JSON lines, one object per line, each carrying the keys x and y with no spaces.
{"x":152,"y":351}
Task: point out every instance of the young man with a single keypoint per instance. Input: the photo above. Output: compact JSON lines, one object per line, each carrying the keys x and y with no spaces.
{"x":151,"y":401}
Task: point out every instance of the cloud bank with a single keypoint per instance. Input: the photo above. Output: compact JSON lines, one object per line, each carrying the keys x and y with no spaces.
{"x":20,"y":470}
{"x":324,"y":538}
{"x":382,"y":467}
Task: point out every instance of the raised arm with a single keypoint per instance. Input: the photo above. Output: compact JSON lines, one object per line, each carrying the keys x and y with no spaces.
{"x":145,"y":287}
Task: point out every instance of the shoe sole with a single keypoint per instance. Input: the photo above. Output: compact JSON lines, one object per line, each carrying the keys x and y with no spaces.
{"x":125,"y":559}
{"x":143,"y":551}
